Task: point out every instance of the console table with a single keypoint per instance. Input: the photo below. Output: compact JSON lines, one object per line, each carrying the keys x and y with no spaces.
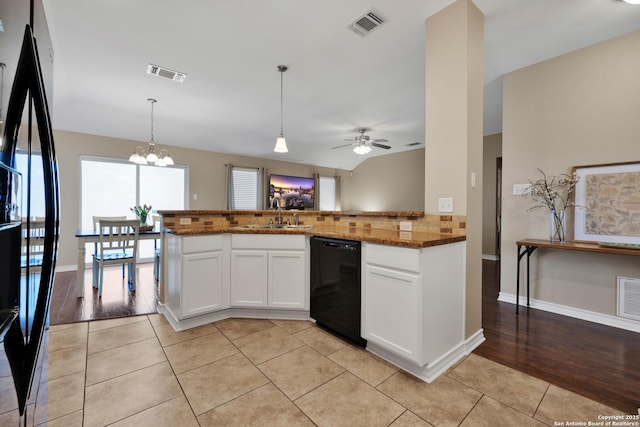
{"x":528,"y":246}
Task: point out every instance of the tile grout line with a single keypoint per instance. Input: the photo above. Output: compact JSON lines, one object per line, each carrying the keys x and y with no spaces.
{"x":173,"y":371}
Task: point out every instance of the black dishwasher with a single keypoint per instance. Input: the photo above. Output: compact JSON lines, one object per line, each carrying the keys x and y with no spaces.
{"x":335,"y":287}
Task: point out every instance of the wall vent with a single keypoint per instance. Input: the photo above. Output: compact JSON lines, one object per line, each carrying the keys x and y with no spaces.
{"x":367,"y":22}
{"x":156,"y":70}
{"x":629,"y":297}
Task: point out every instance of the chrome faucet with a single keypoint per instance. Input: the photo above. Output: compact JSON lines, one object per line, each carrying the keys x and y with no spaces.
{"x":279,"y":211}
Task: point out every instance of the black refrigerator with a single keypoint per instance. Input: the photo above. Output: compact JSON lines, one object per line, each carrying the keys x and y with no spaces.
{"x":24,"y":297}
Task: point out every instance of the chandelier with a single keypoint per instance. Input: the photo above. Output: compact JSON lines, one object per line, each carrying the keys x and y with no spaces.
{"x":141,"y":157}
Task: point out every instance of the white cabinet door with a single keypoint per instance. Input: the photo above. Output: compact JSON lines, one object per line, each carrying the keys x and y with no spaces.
{"x":393,"y":310}
{"x":202,"y":283}
{"x":287,"y":279}
{"x":248,"y":278}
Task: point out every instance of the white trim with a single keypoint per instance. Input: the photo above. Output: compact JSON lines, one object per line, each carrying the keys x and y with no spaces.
{"x":431,"y":371}
{"x":247,"y":313}
{"x":64,"y":268}
{"x":578,"y":313}
{"x":490,"y":257}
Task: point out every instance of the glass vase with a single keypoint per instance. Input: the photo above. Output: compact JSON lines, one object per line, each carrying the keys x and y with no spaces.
{"x":558,"y":225}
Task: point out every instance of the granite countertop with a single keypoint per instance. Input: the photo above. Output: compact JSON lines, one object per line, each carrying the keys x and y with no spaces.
{"x":372,"y":235}
{"x":170,"y":213}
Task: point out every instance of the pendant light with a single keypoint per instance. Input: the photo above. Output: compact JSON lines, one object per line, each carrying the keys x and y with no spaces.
{"x":150,"y":157}
{"x":281,"y":143}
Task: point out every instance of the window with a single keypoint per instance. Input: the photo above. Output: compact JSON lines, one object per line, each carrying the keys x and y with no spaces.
{"x":243,"y":189}
{"x":112,"y":187}
{"x":327,"y":193}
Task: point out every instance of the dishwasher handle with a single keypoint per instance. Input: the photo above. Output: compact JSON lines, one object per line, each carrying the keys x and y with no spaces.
{"x":340,"y":246}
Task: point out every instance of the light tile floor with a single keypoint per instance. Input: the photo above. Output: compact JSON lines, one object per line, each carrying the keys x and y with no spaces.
{"x":138,"y":372}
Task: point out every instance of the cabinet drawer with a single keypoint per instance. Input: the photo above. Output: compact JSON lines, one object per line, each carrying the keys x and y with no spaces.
{"x":191,"y":244}
{"x":267,"y":241}
{"x":393,"y":257}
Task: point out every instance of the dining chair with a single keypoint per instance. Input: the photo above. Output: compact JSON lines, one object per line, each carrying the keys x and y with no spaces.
{"x":96,"y":227}
{"x":156,"y":248}
{"x":118,"y":244}
{"x":32,"y":248}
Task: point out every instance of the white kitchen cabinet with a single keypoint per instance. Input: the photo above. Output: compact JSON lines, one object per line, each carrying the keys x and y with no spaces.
{"x":270,"y":271}
{"x":287,"y":273}
{"x":413,"y":303}
{"x":391,"y":313}
{"x":197,"y":274}
{"x":249,"y":278}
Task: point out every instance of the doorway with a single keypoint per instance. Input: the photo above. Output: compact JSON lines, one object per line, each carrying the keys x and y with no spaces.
{"x":498,"y":205}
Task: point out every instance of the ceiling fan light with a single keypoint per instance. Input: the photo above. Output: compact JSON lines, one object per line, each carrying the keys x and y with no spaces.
{"x":361,"y":149}
{"x":281,"y":145}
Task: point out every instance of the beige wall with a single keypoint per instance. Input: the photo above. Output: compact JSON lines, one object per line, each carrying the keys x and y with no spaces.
{"x":206,"y":177}
{"x":577,"y":109}
{"x":491,"y":150}
{"x":454,"y":84}
{"x":392,"y":182}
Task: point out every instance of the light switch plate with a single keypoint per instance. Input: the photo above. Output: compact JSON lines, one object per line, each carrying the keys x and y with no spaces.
{"x":185,"y":221}
{"x":445,"y":204}
{"x":405,"y":225}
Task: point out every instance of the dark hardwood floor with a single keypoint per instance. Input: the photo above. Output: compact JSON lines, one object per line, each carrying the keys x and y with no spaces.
{"x":116,"y":300}
{"x":593,"y":360}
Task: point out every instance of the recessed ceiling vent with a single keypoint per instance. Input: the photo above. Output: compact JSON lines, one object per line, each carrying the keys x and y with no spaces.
{"x":413,"y":144}
{"x":367,"y":23}
{"x":156,"y":70}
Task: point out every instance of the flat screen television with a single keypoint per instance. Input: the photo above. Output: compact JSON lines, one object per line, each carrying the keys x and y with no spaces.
{"x":291,"y":192}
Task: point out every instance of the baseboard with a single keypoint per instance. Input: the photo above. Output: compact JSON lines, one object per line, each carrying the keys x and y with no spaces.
{"x":89,"y":266}
{"x":430,"y":371}
{"x":577,"y":313}
{"x":247,"y":313}
{"x":65,"y":268}
{"x":490,"y":257}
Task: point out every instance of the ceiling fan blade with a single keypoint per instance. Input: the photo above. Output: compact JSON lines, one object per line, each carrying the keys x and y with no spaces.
{"x":340,"y":146}
{"x":386,"y":147}
{"x":380,"y":140}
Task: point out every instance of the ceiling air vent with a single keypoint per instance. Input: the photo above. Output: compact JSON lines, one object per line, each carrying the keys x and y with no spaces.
{"x":367,"y":23}
{"x":413,"y":144}
{"x":156,"y":70}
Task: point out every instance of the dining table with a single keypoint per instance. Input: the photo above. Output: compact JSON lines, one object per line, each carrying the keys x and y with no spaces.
{"x":92,"y":236}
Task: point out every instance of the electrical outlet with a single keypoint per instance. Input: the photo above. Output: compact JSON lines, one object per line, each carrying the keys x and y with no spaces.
{"x":521,"y":189}
{"x":405,"y":225}
{"x":185,"y":221}
{"x":445,"y":204}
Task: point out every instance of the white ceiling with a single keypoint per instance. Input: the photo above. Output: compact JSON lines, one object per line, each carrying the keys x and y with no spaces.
{"x":337,"y":81}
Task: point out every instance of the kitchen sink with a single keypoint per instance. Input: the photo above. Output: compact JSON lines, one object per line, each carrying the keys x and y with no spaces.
{"x":272,"y":226}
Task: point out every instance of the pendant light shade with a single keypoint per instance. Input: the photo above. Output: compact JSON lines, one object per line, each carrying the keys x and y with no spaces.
{"x":281,"y":143}
{"x":150,"y":157}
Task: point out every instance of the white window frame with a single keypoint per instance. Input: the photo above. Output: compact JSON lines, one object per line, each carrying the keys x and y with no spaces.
{"x":322,"y":204}
{"x":246,"y":204}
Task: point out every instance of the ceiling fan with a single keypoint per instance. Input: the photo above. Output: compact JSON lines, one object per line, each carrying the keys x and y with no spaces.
{"x":363,"y":143}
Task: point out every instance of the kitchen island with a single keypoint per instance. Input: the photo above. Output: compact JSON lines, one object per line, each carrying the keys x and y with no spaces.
{"x":221,"y":264}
